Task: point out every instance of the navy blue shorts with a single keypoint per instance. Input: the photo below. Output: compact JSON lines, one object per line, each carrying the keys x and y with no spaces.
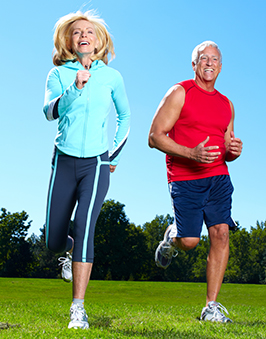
{"x":195,"y":201}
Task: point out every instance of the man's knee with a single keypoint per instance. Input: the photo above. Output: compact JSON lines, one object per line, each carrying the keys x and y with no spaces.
{"x":219,"y":233}
{"x":186,"y":243}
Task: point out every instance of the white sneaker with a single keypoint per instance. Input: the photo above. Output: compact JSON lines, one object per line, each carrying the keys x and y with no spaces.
{"x":165,"y":250}
{"x":66,"y":263}
{"x":78,"y":317}
{"x":212,"y":312}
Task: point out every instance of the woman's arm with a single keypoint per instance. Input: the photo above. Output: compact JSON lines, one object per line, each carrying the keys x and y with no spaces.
{"x":122,"y":120}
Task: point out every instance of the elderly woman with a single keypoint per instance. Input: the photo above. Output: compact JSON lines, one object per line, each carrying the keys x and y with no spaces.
{"x":79,"y":93}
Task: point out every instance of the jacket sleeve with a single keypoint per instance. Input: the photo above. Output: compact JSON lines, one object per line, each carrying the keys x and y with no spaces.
{"x":56,"y":100}
{"x":122,"y":119}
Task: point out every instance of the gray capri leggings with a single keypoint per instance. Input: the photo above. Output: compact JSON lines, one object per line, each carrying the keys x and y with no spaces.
{"x":84,"y":181}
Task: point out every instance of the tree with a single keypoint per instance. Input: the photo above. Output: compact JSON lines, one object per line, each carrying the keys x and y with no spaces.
{"x":258,"y":252}
{"x":247,"y":261}
{"x":119,"y":245}
{"x":201,"y":254}
{"x":154,"y":233}
{"x":110,"y":237}
{"x":137,"y":253}
{"x":46,"y":261}
{"x":239,"y":268}
{"x":16,"y":259}
{"x":124,"y":251}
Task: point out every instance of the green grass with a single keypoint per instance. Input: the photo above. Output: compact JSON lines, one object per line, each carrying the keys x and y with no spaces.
{"x":129,"y":310}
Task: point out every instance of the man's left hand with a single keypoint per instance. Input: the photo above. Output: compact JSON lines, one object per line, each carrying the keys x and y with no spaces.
{"x":235,"y":146}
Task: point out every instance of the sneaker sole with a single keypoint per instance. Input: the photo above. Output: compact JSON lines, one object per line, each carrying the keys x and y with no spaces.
{"x":76,"y":326}
{"x":157,"y":262}
{"x":67,"y":280}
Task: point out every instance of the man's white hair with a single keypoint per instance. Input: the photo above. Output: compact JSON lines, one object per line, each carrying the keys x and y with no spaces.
{"x":201,"y":47}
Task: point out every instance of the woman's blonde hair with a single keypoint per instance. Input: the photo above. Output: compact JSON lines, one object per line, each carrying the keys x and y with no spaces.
{"x":62,"y":52}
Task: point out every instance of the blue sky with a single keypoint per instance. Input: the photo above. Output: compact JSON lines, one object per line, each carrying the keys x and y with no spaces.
{"x":153,"y":43}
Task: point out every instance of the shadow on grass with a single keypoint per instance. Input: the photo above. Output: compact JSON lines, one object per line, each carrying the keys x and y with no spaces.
{"x":163,"y":334}
{"x":101,"y":321}
{"x":206,"y":331}
{"x":169,"y":333}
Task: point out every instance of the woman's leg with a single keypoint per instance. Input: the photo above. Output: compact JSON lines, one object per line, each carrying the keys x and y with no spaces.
{"x":60,"y":204}
{"x":92,"y":190}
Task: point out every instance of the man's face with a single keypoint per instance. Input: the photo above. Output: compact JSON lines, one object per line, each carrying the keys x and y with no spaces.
{"x":209,"y":65}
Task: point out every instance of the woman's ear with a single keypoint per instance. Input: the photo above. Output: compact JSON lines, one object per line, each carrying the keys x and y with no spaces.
{"x":68,"y":44}
{"x":97,"y":43}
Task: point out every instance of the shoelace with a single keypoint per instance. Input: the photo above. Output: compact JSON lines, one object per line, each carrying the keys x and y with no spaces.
{"x":65,"y":262}
{"x":168,"y":251}
{"x":218,"y":308}
{"x":78,"y":313}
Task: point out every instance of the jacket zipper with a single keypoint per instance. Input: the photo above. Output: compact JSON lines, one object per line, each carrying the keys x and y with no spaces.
{"x":86,"y":118}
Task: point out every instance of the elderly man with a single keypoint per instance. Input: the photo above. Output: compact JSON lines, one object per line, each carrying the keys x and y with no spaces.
{"x":194,"y":126}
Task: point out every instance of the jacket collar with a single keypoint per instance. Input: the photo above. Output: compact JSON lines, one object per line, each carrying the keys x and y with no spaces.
{"x":77,"y":65}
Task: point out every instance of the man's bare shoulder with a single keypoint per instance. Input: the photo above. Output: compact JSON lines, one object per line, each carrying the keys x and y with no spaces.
{"x":168,"y":111}
{"x":175,"y":92}
{"x":175,"y":96}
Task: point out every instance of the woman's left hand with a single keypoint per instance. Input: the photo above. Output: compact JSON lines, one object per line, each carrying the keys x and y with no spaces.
{"x":112,"y":168}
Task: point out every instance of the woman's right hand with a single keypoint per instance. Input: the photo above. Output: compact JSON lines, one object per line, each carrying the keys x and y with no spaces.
{"x":82,"y":78}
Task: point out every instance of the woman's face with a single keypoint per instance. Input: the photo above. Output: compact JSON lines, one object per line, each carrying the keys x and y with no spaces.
{"x":83,"y":39}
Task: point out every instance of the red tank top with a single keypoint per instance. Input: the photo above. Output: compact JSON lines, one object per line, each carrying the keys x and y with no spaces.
{"x":203,"y":114}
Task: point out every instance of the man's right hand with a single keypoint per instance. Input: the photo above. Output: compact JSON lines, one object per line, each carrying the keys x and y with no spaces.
{"x":203,"y":154}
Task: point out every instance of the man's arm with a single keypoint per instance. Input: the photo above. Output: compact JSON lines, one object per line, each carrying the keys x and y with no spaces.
{"x":165,"y":118}
{"x":233,"y":145}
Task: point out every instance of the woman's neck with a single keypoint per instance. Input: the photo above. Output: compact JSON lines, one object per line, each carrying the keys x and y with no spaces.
{"x":85,"y":62}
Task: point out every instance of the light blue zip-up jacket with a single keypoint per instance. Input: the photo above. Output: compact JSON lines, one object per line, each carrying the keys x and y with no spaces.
{"x":83,"y":114}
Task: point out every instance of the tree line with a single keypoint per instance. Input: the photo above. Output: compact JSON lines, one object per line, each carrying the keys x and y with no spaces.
{"x":124,"y":251}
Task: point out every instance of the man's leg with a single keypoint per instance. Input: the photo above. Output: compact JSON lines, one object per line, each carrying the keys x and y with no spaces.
{"x":187,"y":243}
{"x":167,"y":248}
{"x":217,"y":259}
